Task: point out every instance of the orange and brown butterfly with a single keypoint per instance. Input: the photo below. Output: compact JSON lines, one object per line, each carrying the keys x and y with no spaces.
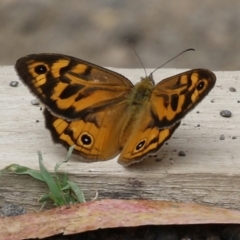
{"x":102,"y":113}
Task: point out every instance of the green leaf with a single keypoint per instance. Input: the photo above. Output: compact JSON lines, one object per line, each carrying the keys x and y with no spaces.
{"x":55,"y":192}
{"x":61,"y":190}
{"x":77,"y":191}
{"x":18,"y":169}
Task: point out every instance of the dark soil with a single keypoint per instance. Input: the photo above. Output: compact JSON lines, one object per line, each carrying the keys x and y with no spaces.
{"x":182,"y":232}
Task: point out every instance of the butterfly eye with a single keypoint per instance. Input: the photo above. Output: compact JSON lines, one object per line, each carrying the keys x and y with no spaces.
{"x":200,"y":86}
{"x":86,"y":139}
{"x":140,"y":145}
{"x":40,"y":69}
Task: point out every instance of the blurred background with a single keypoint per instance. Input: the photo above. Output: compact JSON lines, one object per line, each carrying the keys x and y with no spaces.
{"x":96,"y":31}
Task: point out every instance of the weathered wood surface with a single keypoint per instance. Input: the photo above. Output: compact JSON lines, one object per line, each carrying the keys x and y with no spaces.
{"x":208,"y":174}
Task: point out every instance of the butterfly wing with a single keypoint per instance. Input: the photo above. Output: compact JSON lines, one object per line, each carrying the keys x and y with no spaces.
{"x":95,"y":137}
{"x":84,"y":102}
{"x":150,"y":141}
{"x":170,"y":101}
{"x":70,"y":87}
{"x":174,"y":97}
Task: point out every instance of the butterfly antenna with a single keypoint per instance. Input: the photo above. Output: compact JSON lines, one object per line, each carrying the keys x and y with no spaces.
{"x":130,"y":44}
{"x":187,"y":50}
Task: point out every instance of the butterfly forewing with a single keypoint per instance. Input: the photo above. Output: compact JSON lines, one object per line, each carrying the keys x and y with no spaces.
{"x":174,"y":97}
{"x":70,"y":87}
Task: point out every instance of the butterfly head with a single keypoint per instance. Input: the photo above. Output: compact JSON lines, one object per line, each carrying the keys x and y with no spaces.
{"x":148,"y":80}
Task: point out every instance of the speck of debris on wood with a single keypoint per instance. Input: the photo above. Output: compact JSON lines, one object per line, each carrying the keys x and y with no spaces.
{"x":158,"y":159}
{"x":234,"y":137}
{"x":37,"y":121}
{"x":197,"y":112}
{"x":181,"y":154}
{"x":10,"y":209}
{"x":35,"y":102}
{"x":166,"y":143}
{"x":222,"y":137}
{"x":198,"y":125}
{"x":13,"y":83}
{"x":40,"y":108}
{"x":184,"y":124}
{"x":213,"y":100}
{"x":226,"y":113}
{"x":232,"y":89}
{"x":238,"y":101}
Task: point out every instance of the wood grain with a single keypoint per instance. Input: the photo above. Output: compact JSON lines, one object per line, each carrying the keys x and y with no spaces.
{"x":209,"y":173}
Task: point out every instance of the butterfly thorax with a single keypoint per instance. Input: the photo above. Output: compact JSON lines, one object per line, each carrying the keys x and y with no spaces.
{"x":141,"y":91}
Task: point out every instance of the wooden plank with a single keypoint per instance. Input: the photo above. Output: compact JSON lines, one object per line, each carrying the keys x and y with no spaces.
{"x":209,"y":173}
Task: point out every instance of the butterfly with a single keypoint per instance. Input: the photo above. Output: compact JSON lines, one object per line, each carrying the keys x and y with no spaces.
{"x":102,"y":113}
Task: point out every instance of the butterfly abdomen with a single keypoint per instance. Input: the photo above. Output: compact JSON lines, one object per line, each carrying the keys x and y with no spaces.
{"x":138,"y":103}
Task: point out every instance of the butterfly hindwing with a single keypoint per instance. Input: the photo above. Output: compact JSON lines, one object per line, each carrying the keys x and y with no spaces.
{"x":148,"y":143}
{"x":93,"y":137}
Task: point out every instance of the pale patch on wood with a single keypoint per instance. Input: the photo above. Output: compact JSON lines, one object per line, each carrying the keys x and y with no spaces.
{"x":209,"y":173}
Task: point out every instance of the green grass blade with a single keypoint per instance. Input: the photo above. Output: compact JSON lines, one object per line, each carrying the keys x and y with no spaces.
{"x":18,"y":169}
{"x":69,"y":154}
{"x":55,"y":192}
{"x":77,"y":191}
